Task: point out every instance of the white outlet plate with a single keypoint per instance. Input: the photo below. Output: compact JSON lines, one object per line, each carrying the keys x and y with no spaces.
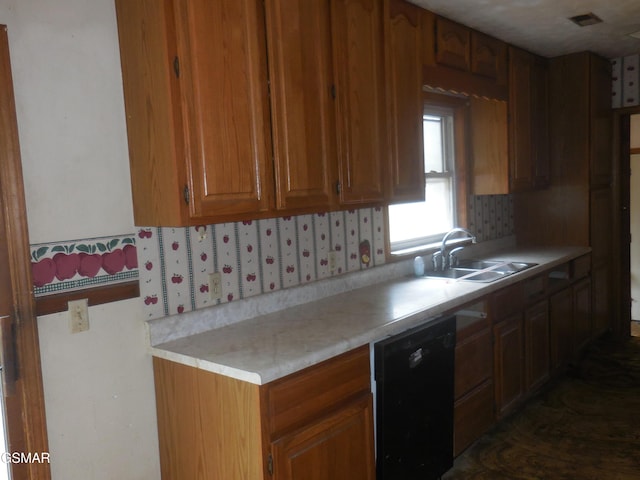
{"x":333,"y":261}
{"x":215,"y":286}
{"x":78,"y":315}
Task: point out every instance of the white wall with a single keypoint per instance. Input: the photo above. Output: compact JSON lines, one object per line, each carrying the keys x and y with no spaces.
{"x":99,"y":396}
{"x":70,"y":109}
{"x":98,"y":384}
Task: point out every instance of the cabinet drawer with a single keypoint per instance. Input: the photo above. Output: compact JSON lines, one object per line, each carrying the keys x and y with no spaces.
{"x":473,"y":415}
{"x":559,"y":277}
{"x":580,"y":267}
{"x":535,"y":289}
{"x":507,"y":301}
{"x":474,"y":362}
{"x":304,"y":395}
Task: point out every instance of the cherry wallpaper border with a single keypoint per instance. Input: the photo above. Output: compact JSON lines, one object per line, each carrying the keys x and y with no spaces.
{"x":252,"y":257}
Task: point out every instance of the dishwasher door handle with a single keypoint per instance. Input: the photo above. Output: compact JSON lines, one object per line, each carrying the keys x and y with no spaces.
{"x":415,"y":358}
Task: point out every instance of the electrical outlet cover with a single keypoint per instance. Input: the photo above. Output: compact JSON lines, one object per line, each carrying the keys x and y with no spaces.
{"x":215,"y":286}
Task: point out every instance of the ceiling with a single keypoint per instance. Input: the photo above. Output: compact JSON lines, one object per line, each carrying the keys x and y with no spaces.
{"x":543,"y":27}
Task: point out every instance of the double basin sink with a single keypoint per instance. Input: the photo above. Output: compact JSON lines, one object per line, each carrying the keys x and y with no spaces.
{"x":480,"y":270}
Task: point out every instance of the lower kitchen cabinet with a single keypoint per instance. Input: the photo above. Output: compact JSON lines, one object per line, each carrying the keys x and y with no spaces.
{"x":473,"y":416}
{"x":536,"y":335}
{"x":601,"y":299}
{"x":313,"y":424}
{"x":473,"y":382}
{"x":561,"y":329}
{"x":508,"y":363}
{"x":336,"y":447}
{"x":582,"y":329}
{"x":473,"y":385}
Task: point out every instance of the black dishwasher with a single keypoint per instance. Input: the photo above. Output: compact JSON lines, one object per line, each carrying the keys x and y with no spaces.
{"x":414,"y":402}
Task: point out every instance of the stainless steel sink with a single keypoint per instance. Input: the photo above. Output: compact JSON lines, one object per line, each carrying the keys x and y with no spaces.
{"x":478,"y":264}
{"x":480,"y":270}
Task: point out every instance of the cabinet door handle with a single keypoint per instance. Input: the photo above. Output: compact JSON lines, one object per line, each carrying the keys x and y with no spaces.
{"x":176,"y":66}
{"x":185,"y":194}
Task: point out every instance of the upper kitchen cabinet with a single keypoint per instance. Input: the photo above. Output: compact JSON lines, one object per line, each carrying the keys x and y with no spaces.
{"x":247,"y":109}
{"x":453,"y":44}
{"x":303,"y":108}
{"x":358,"y":46}
{"x":197,"y":109}
{"x":326,"y":74}
{"x":404,"y":101}
{"x":489,"y":147}
{"x":600,"y":116}
{"x":488,"y":57}
{"x":463,"y":60}
{"x":528,"y":120}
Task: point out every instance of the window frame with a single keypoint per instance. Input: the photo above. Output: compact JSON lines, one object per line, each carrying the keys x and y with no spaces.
{"x":459,"y":106}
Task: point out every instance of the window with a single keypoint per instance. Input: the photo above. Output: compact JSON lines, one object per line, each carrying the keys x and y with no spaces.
{"x":414,"y":225}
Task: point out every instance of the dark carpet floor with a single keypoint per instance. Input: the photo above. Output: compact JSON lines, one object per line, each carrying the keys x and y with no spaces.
{"x":585,"y":425}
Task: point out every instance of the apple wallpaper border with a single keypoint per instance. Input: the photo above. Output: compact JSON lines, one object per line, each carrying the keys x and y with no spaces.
{"x":76,"y":264}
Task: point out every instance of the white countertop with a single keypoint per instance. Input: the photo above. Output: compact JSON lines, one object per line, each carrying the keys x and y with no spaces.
{"x":267,"y":347}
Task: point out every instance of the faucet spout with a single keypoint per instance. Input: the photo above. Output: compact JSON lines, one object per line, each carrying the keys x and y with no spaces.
{"x":449,"y":234}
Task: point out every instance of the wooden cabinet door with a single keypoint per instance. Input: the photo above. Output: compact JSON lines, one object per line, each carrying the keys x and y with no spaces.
{"x":222,"y":71}
{"x":474,"y":362}
{"x":601,"y":133}
{"x":156,"y":145}
{"x":520,"y":109}
{"x":488,"y":57}
{"x":195,"y":86}
{"x":302,"y":102}
{"x":473,"y":387}
{"x":581,"y":315}
{"x":561,"y":328}
{"x":337,"y":447}
{"x":528,"y":121}
{"x":508,"y":363}
{"x":404,"y":102}
{"x":358,"y":65}
{"x":489,"y":147}
{"x":453,"y":44}
{"x":540,"y":123}
{"x":601,"y":226}
{"x":536,"y":334}
{"x":472,"y":416}
{"x":601,"y":303}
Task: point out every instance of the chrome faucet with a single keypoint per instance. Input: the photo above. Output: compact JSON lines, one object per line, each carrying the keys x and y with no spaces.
{"x":448,"y":261}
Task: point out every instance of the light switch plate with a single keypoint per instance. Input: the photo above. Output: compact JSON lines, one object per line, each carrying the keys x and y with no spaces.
{"x":78,"y":315}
